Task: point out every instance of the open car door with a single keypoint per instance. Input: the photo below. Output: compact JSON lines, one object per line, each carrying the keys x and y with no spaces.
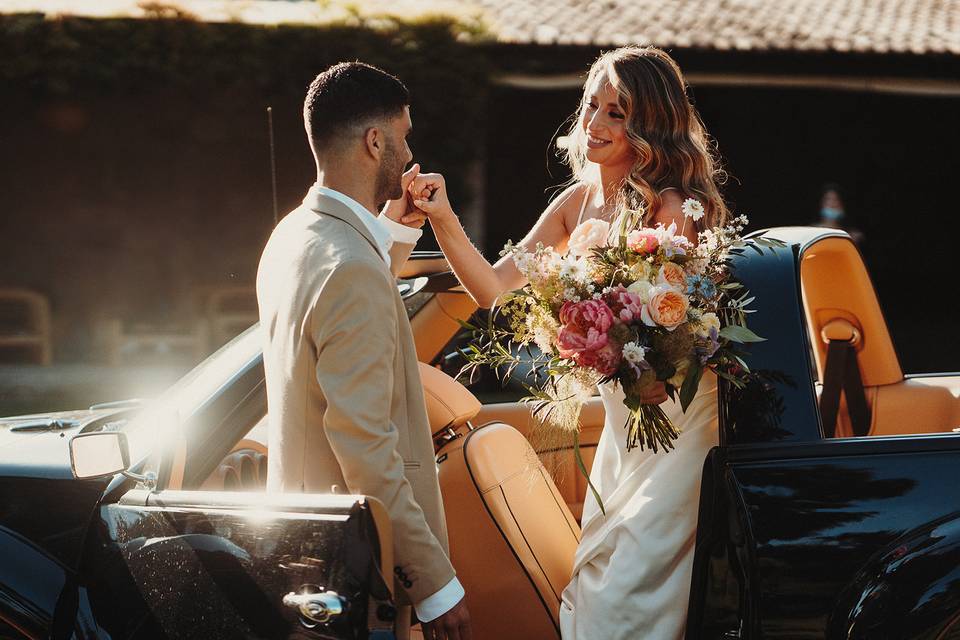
{"x":203,"y":564}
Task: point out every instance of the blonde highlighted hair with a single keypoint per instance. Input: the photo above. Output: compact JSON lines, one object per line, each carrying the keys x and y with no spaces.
{"x":669,"y":140}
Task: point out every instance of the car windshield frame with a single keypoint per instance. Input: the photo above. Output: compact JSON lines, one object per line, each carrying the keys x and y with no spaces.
{"x":175,"y":406}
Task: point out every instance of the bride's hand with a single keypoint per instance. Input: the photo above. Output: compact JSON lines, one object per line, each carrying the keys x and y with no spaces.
{"x":654,"y":394}
{"x":430,"y":196}
{"x":402,"y":209}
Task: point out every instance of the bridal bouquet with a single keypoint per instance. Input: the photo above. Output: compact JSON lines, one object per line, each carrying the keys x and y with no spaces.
{"x":623,"y":305}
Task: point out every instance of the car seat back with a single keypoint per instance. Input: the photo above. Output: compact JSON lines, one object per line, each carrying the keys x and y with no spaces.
{"x":512,"y":537}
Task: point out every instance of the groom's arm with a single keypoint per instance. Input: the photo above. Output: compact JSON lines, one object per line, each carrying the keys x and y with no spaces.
{"x":354,"y":329}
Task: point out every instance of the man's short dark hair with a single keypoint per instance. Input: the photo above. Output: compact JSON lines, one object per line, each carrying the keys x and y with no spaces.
{"x":348,"y":95}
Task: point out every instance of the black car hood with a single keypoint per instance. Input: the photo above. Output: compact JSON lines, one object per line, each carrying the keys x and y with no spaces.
{"x":37,"y":445}
{"x":39,"y":497}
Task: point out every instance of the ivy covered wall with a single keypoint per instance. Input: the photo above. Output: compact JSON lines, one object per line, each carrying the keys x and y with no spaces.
{"x":134,"y":154}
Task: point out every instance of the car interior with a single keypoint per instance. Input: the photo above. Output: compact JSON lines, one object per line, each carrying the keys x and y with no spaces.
{"x":513,"y":525}
{"x":840,"y":304}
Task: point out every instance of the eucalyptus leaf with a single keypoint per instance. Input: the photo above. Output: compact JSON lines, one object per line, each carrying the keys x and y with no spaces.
{"x":737,"y":333}
{"x":691,"y":383}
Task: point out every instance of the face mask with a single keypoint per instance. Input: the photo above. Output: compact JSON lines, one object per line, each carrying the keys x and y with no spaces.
{"x":831,"y":213}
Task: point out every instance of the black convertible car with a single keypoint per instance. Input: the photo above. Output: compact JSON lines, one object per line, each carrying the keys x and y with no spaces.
{"x":829,"y":510}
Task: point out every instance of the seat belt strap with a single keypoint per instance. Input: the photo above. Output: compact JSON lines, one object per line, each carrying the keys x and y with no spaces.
{"x":856,"y":396}
{"x":842,"y":372}
{"x":832,"y":384}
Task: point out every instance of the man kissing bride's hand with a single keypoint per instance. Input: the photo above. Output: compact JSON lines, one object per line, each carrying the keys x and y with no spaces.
{"x":402,"y":209}
{"x":429,"y":192}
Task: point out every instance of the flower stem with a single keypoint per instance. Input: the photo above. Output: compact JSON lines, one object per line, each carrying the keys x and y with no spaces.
{"x":583,"y":470}
{"x":649,"y":426}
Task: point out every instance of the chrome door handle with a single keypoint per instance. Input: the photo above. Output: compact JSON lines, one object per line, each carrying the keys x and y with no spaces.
{"x":319,"y":607}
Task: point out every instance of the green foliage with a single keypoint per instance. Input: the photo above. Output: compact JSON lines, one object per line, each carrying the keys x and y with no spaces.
{"x":737,"y":333}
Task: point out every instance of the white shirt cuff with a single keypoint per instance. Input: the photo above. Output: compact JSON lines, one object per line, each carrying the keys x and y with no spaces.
{"x":432,"y":607}
{"x":400,"y":232}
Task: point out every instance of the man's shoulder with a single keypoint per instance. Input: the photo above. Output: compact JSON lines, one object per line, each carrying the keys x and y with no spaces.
{"x":304,"y":236}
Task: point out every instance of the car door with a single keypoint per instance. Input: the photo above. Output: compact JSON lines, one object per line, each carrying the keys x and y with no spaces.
{"x":201,"y":564}
{"x":165,"y":558}
{"x":802,"y":535}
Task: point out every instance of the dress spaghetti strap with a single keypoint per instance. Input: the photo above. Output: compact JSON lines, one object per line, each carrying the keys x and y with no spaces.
{"x":583,"y":206}
{"x":586,"y":196}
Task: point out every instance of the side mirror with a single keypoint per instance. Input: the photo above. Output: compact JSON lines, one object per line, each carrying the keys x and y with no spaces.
{"x":95,"y":455}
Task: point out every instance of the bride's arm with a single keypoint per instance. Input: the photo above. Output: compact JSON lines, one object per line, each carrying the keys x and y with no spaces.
{"x":483,"y":281}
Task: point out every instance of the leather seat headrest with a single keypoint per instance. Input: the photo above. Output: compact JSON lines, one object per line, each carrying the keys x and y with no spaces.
{"x":449,"y":403}
{"x":840,"y":329}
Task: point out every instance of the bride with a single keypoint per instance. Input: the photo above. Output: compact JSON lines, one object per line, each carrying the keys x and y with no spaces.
{"x":636,"y":143}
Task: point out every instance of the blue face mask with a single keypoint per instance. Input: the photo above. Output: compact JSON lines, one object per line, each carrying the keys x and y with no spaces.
{"x":831,"y":213}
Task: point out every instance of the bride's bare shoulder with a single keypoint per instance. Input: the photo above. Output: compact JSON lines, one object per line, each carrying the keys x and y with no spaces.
{"x":671,"y":208}
{"x":566,"y":205}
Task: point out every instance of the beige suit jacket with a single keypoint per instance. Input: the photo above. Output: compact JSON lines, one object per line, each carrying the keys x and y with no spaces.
{"x":344,"y":394}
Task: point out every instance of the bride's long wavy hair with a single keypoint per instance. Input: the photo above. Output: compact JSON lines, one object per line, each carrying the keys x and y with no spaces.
{"x":672,"y":146}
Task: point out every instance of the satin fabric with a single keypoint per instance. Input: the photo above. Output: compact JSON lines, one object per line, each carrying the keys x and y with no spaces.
{"x":632,"y":570}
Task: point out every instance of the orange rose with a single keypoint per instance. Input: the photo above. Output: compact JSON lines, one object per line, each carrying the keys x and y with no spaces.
{"x":667,"y":308}
{"x":672,"y":274}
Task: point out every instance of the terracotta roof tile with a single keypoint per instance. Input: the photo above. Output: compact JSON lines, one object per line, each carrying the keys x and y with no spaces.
{"x":869,"y":26}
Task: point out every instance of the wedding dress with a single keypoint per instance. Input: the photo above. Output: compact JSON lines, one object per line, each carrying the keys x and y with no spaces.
{"x":632,"y":570}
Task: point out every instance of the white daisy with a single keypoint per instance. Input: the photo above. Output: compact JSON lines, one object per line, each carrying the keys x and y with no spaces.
{"x":524,"y":262}
{"x":692,"y":209}
{"x":574,"y":268}
{"x":634,"y":353}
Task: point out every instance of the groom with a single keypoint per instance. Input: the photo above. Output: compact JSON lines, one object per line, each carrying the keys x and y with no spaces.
{"x":343,"y":387}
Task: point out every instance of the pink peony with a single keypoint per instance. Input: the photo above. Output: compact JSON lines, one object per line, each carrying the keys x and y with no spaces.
{"x":643,"y":240}
{"x":583,"y":335}
{"x":605,"y":360}
{"x":626,"y":305}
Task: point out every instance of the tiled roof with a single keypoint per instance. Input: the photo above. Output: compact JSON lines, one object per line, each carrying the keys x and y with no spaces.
{"x":868,"y":26}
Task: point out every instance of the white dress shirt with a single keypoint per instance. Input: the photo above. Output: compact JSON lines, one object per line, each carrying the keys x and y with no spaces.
{"x":385,"y":232}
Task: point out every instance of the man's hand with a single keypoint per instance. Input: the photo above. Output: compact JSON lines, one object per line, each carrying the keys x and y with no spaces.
{"x":430,"y":197}
{"x":402,"y":209}
{"x":453,"y":625}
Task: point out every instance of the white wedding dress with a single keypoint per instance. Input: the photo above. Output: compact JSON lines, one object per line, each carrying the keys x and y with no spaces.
{"x":632,"y":570}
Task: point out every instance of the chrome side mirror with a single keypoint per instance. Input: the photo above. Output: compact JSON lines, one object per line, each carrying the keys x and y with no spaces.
{"x":95,"y":455}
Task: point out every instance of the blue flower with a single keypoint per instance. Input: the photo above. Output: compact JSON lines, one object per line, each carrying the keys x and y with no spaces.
{"x":701,"y":286}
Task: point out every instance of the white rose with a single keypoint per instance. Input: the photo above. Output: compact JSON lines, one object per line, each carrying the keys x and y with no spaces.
{"x":708,"y":321}
{"x":641,"y":270}
{"x":589,"y":234}
{"x":641,"y":289}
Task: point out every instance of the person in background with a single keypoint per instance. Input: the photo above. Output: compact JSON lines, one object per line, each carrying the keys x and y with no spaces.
{"x":833,"y":214}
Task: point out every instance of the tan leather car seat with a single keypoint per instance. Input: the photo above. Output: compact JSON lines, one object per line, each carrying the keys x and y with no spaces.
{"x":512,"y":537}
